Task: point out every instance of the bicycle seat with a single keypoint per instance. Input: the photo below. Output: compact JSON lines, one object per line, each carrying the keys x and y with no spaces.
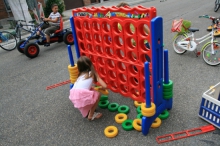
{"x":193,"y":29}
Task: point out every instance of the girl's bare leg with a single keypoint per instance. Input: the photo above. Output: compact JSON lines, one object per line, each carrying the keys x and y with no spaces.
{"x":92,"y":110}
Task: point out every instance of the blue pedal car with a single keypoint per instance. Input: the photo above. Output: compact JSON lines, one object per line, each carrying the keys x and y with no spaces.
{"x":32,"y":50}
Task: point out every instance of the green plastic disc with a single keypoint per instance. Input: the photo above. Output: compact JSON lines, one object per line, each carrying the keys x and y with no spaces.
{"x":164,"y":115}
{"x":138,"y":109}
{"x":123,"y":109}
{"x":167,"y":93}
{"x":168,"y":96}
{"x":139,"y":116}
{"x":169,"y":85}
{"x":103,"y":97}
{"x":113,"y":107}
{"x":168,"y":90}
{"x":103,"y":104}
{"x":127,"y":125}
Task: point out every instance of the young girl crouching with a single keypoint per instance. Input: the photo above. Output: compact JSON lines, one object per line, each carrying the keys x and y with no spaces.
{"x":82,"y":94}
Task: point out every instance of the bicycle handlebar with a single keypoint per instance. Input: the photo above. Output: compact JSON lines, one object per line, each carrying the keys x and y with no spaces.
{"x":214,"y":19}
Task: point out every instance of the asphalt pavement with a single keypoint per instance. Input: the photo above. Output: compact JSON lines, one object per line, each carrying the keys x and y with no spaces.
{"x":30,"y":115}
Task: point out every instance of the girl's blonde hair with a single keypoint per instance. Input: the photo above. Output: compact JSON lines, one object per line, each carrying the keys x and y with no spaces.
{"x":85,"y":65}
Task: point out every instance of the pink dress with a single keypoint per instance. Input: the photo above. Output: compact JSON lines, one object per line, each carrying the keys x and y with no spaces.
{"x":82,"y":96}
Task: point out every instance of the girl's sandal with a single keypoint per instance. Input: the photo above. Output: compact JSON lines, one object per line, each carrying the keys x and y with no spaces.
{"x":95,"y":116}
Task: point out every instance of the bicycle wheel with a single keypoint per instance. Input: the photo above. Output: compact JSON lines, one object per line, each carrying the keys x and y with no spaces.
{"x":209,"y":57}
{"x":8,"y":41}
{"x":216,"y":5}
{"x":176,"y":48}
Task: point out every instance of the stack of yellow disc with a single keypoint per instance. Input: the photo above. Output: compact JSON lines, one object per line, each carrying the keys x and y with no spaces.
{"x":148,"y":112}
{"x":73,"y":71}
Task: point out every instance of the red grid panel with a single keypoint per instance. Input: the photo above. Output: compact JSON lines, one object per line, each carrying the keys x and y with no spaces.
{"x":118,"y":53}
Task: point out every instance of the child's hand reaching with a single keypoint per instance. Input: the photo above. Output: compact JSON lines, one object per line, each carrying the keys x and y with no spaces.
{"x":101,"y":90}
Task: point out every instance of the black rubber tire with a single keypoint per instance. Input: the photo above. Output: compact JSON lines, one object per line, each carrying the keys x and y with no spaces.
{"x":4,"y":41}
{"x":31,"y":50}
{"x":216,"y":6}
{"x":21,"y":50}
{"x":68,"y":38}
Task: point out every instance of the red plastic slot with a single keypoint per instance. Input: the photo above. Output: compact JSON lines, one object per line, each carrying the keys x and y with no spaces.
{"x":184,"y":134}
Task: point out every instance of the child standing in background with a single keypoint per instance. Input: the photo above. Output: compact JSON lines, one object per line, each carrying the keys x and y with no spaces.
{"x":82,"y":94}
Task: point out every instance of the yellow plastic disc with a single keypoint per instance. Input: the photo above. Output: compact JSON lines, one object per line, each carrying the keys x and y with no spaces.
{"x":151,"y":109}
{"x":120,"y":118}
{"x":156,"y":123}
{"x":148,"y":114}
{"x":137,"y":124}
{"x":105,"y":92}
{"x":137,"y":103}
{"x":111,"y":131}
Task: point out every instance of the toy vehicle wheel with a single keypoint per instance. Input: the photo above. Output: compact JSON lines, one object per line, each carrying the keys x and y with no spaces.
{"x":21,"y":50}
{"x":176,"y":48}
{"x":31,"y":50}
{"x":217,"y":5}
{"x":68,"y":38}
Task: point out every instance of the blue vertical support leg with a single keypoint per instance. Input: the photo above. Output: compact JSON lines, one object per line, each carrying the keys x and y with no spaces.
{"x":157,"y":59}
{"x":74,"y":36}
{"x":166,"y":77}
{"x":147,"y":84}
{"x":71,"y":60}
{"x":145,"y":125}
